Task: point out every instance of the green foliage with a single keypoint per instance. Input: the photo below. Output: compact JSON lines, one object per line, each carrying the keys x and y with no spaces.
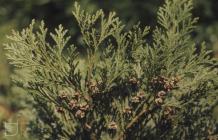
{"x":128,"y":88}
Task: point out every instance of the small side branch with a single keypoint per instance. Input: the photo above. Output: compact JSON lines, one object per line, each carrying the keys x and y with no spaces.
{"x":134,"y":121}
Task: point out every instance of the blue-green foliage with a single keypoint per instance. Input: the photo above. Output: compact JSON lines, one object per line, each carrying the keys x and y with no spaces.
{"x":125,"y":87}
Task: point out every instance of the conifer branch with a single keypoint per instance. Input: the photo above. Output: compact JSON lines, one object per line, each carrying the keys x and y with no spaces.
{"x":123,"y":76}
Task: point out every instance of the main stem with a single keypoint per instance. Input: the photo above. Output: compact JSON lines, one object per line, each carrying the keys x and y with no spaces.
{"x":135,"y":121}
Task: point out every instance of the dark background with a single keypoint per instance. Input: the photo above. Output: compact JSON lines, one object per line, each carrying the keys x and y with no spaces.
{"x":16,"y":14}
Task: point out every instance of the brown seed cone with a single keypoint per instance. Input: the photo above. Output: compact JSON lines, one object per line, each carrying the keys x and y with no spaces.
{"x":112,"y":126}
{"x":159,"y":101}
{"x":161,"y":94}
{"x":134,"y":81}
{"x":127,"y":110}
{"x":80,"y":114}
{"x":60,"y":110}
{"x":84,"y":107}
{"x":141,"y":94}
{"x":135,"y":99}
{"x":168,"y":86}
{"x":72,"y":104}
{"x":77,"y":95}
{"x":63,"y":96}
{"x":169,"y":112}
